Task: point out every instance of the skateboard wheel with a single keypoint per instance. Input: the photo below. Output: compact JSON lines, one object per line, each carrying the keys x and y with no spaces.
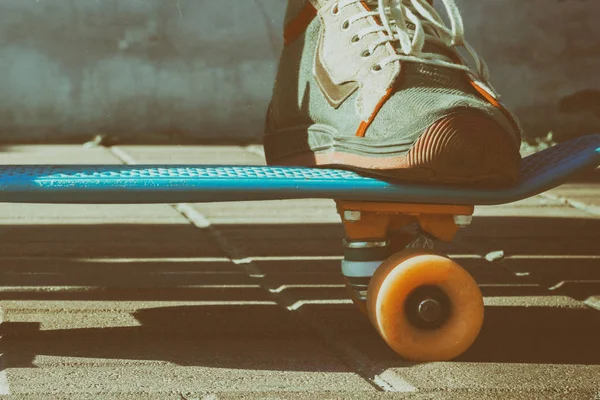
{"x":425,"y":306}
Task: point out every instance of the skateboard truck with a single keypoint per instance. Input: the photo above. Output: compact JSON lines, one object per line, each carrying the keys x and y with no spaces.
{"x":361,"y":260}
{"x":370,"y":225}
{"x":422,"y":240}
{"x":423,"y":304}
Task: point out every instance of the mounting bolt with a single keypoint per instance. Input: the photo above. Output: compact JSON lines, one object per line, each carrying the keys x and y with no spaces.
{"x":352,"y":216}
{"x":463,"y":220}
{"x":430,"y":310}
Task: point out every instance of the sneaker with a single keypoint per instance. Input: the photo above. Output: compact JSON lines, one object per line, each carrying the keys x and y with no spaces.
{"x":380,"y":86}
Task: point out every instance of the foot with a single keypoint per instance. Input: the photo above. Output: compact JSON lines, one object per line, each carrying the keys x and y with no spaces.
{"x":387,"y":93}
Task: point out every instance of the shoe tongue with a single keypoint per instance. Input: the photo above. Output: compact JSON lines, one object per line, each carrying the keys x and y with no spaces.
{"x":441,"y":50}
{"x":428,"y":47}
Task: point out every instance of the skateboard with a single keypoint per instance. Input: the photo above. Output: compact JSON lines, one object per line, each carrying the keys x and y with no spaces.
{"x":423,"y":304}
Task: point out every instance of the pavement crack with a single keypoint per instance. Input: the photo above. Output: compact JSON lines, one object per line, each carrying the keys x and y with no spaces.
{"x":579,"y":205}
{"x":122,"y":155}
{"x":337,"y":344}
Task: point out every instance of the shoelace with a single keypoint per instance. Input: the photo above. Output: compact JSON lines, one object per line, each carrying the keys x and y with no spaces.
{"x":408,"y":25}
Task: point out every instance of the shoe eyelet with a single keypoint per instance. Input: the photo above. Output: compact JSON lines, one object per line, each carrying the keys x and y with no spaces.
{"x":335,"y":10}
{"x":345,"y":25}
{"x":376,"y":68}
{"x":355,"y":39}
{"x":366,"y":54}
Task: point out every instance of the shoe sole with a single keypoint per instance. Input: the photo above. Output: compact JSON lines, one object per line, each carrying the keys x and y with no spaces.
{"x":463,"y":148}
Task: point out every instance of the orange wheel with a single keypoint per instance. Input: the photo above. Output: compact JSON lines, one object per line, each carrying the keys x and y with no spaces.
{"x":360,"y":304}
{"x":425,"y":306}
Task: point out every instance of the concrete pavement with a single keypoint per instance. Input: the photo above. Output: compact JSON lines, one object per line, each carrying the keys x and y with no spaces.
{"x":245,"y":300}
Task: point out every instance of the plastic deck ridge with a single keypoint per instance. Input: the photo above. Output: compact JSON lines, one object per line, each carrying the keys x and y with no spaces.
{"x":129,"y":184}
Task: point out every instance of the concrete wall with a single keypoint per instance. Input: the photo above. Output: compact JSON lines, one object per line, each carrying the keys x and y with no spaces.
{"x":143,"y":68}
{"x":203,"y":69}
{"x":545,"y":57}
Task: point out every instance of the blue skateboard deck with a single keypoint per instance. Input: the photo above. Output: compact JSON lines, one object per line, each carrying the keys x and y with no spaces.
{"x":128,"y":184}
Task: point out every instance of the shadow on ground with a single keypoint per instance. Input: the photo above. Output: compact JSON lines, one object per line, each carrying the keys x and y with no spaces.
{"x":66,"y":269}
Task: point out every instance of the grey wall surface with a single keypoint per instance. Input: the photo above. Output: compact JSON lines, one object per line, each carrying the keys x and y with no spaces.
{"x":544,"y":56}
{"x":181,"y":70}
{"x":70,"y":69}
